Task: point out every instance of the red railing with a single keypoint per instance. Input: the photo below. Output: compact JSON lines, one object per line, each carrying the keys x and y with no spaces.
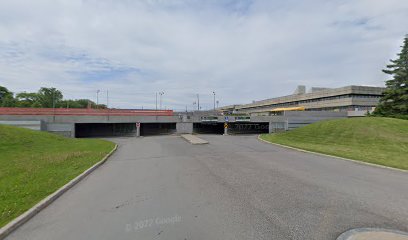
{"x":83,"y":112}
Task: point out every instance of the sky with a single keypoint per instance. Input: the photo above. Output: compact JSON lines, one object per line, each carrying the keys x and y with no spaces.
{"x":244,"y":50}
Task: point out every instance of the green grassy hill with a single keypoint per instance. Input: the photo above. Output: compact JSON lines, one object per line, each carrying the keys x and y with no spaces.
{"x":34,"y":164}
{"x":381,"y":141}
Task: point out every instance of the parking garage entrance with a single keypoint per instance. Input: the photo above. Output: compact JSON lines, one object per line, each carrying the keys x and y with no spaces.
{"x":83,"y":130}
{"x":208,"y":128}
{"x":233,"y":128}
{"x":248,"y":128}
{"x":151,"y":129}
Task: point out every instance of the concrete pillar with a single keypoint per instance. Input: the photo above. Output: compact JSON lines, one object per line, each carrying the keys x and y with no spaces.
{"x":225,"y":128}
{"x":184,"y":127}
{"x":137,"y":129}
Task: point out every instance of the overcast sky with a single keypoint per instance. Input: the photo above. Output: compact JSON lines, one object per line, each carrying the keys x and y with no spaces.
{"x":243,"y":50}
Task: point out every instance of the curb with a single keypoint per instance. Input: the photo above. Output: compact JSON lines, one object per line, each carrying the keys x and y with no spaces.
{"x":342,"y":158}
{"x":351,"y":234}
{"x":20,"y":220}
{"x":193,"y":139}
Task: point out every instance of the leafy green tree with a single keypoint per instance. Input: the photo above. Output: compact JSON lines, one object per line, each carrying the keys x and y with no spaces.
{"x":44,"y":98}
{"x":84,"y":102}
{"x":6,"y":98}
{"x":4,"y":92}
{"x":27,"y":99}
{"x":394,"y":103}
{"x":49,"y":97}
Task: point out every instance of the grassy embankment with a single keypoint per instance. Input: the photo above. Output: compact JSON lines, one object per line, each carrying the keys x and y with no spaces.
{"x":35,"y":164}
{"x":382,"y":141}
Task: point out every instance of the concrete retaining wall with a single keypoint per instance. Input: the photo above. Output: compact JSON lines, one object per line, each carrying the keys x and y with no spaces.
{"x":33,"y":125}
{"x":183,"y":128}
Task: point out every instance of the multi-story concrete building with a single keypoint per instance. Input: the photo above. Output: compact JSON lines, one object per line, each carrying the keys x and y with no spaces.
{"x":349,"y":98}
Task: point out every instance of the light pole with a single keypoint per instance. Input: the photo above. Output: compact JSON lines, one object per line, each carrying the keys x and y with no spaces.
{"x":156,"y":101}
{"x":198,"y":102}
{"x":53,"y":98}
{"x":214,"y":99}
{"x":97,"y":98}
{"x":161,"y":94}
{"x":107,"y":99}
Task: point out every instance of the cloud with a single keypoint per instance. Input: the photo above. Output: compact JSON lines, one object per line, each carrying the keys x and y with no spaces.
{"x":244,"y":50}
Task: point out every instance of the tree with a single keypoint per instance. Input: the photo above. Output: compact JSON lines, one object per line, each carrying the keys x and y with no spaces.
{"x":49,"y":97}
{"x":84,"y":102}
{"x":44,"y":98}
{"x":394,"y":103}
{"x":27,"y":99}
{"x":6,"y":98}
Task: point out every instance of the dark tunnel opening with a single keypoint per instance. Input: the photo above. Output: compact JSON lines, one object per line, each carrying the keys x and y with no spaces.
{"x":248,"y":128}
{"x":151,"y":129}
{"x":208,"y":128}
{"x":83,"y":130}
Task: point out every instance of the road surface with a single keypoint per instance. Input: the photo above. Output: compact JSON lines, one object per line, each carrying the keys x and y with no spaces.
{"x":235,"y":187}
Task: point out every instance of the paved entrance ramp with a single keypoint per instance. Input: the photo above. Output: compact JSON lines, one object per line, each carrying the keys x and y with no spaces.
{"x":194,"y":139}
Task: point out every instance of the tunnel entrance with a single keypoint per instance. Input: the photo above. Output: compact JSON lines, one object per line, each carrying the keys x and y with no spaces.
{"x":208,"y":128}
{"x":150,"y":129}
{"x":83,"y":130}
{"x":248,"y":128}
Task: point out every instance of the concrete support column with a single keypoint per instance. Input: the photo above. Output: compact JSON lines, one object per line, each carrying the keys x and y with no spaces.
{"x":137,"y":129}
{"x":184,"y":128}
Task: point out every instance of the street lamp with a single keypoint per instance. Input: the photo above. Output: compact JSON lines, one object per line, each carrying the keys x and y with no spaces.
{"x":198,"y":102}
{"x":214,"y":99}
{"x":97,"y":97}
{"x":161,"y":94}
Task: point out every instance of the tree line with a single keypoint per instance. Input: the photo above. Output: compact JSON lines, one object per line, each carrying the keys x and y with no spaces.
{"x":43,"y":98}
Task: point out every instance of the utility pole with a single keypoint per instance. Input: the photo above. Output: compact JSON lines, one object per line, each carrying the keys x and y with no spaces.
{"x":214,"y":99}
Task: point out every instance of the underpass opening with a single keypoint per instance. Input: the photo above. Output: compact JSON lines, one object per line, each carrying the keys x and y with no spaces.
{"x":248,"y":128}
{"x":151,"y":129}
{"x":208,"y":128}
{"x":83,"y":130}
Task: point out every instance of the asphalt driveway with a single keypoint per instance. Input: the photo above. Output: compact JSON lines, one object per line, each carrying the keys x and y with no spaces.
{"x":235,"y":187}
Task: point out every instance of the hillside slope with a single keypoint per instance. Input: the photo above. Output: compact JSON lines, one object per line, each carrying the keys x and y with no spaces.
{"x":376,"y":140}
{"x":34,"y":164}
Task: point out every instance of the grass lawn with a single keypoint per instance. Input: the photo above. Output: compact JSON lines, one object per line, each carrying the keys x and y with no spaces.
{"x":376,"y":140}
{"x":34,"y":164}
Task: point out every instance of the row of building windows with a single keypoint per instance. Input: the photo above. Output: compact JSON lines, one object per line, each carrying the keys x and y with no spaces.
{"x":296,"y":103}
{"x":343,"y":108}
